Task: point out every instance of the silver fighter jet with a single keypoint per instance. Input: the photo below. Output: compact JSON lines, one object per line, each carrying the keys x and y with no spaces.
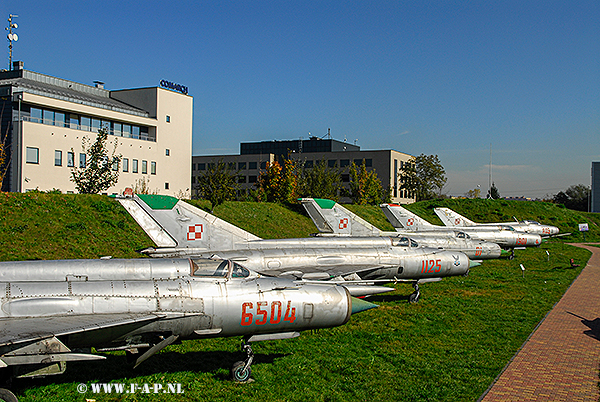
{"x":454,"y":219}
{"x":50,"y":308}
{"x":180,"y":229}
{"x":503,"y":235}
{"x":333,"y":219}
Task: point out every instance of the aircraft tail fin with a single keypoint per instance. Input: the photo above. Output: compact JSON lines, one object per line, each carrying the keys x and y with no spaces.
{"x":403,"y":219}
{"x":173,"y":223}
{"x":331,"y":217}
{"x":451,"y":218}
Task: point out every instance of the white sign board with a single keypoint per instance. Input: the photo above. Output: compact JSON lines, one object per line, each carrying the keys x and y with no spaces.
{"x":583,"y":227}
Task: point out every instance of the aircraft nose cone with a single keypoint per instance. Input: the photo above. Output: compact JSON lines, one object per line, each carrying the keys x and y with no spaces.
{"x":359,"y":305}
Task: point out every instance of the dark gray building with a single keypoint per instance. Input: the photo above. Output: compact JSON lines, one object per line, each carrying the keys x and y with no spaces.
{"x":595,"y":202}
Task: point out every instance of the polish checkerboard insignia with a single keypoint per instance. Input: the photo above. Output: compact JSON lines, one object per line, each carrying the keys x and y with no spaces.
{"x":195,"y":232}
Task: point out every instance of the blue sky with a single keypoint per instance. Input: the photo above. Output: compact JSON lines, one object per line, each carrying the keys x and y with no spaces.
{"x":449,"y":78}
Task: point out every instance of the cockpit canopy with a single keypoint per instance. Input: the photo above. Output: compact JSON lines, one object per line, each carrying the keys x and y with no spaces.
{"x":218,"y":268}
{"x":506,"y":227}
{"x":404,"y":242}
{"x":462,"y":235}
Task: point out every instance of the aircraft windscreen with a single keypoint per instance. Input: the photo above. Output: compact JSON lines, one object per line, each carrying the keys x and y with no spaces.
{"x":202,"y":267}
{"x":413,"y":243}
{"x":402,"y":242}
{"x":239,"y":271}
{"x":510,"y":228}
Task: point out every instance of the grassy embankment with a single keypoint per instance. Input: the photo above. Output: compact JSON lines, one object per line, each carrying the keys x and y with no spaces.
{"x":448,"y":347}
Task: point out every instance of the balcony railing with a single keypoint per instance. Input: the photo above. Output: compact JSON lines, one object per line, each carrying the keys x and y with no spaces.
{"x":75,"y":126}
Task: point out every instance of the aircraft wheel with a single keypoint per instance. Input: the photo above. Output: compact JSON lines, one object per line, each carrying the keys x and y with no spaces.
{"x":238,"y":374}
{"x":413,"y":298}
{"x":7,"y":396}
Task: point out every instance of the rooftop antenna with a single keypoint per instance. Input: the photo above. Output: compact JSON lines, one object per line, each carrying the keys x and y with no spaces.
{"x":490,"y":175}
{"x":11,"y":37}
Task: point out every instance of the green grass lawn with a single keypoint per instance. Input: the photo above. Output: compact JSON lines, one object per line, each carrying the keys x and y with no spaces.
{"x":448,"y":347}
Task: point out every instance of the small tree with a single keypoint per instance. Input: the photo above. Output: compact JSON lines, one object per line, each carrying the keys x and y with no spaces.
{"x":424,"y":178}
{"x":320,"y":181}
{"x":277,"y":183}
{"x":365,"y":187}
{"x":475,"y":193}
{"x":4,"y":147}
{"x":100,"y":170}
{"x":575,"y":197}
{"x":494,"y":194}
{"x":218,"y":183}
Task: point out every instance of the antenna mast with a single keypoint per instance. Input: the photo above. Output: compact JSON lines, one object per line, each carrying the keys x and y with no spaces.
{"x":11,"y":37}
{"x":490,"y":176}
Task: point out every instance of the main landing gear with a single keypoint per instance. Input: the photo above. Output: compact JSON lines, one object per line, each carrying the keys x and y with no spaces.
{"x":414,"y":297}
{"x":240,"y":372}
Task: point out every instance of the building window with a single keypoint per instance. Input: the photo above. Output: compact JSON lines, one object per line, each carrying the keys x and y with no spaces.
{"x":308,"y":164}
{"x":32,"y":155}
{"x":144,"y":167}
{"x":95,"y":125}
{"x":242,"y":166}
{"x":86,"y":123}
{"x":82,"y":160}
{"x":332,"y":163}
{"x":167,"y":152}
{"x":251,"y":179}
{"x":344,"y":162}
{"x":59,"y":119}
{"x":36,"y":115}
{"x":49,"y":117}
{"x":166,"y":186}
{"x":369,"y":162}
{"x":252,"y":165}
{"x":168,"y":121}
{"x":231,"y":165}
{"x":263,"y":165}
{"x":134,"y":166}
{"x":115,"y":165}
{"x":152,"y":167}
{"x":202,"y":166}
{"x":193,"y":167}
{"x":70,"y":159}
{"x":241,"y":179}
{"x":346,"y":178}
{"x":57,"y":158}
{"x":125,"y":164}
{"x":74,"y":121}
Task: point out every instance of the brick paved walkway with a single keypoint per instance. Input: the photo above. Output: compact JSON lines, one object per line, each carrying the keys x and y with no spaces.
{"x":561,"y":359}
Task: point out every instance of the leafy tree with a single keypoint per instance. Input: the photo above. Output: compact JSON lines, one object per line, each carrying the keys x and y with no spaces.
{"x":365,"y":187}
{"x":424,"y":178}
{"x":218,"y":183}
{"x":475,"y":193}
{"x":321,"y":181}
{"x":575,"y":197}
{"x":101,"y":168}
{"x":494,"y":194}
{"x":277,"y":183}
{"x":4,"y":147}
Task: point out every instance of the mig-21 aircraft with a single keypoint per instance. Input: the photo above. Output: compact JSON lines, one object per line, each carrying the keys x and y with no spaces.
{"x":180,"y":229}
{"x":454,"y":219}
{"x":503,"y":235}
{"x":53,"y":312}
{"x":333,"y":219}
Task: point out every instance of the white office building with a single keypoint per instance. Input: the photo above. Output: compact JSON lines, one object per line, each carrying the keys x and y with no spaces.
{"x":46,"y":119}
